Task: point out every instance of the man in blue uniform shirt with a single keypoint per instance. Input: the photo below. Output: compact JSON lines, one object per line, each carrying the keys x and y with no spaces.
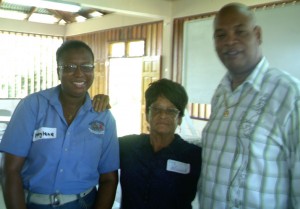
{"x":57,"y":149}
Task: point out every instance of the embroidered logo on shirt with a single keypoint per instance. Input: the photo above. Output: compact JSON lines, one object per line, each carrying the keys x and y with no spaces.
{"x":44,"y":133}
{"x":178,"y":167}
{"x":97,"y":127}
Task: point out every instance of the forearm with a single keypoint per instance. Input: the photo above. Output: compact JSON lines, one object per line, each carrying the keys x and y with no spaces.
{"x":13,"y":191}
{"x":107,"y":191}
{"x":12,"y":182}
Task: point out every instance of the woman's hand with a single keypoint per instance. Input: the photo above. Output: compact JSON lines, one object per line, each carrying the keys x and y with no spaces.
{"x":101,"y":102}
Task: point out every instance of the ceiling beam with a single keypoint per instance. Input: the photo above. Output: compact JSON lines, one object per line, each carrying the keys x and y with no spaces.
{"x":145,"y":8}
{"x":56,"y":14}
{"x":32,"y":10}
{"x":68,"y":18}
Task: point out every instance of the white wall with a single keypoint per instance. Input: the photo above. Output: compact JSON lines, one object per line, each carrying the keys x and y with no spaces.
{"x":194,"y":7}
{"x":202,"y":68}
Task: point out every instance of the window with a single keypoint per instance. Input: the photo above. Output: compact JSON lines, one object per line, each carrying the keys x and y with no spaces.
{"x":199,"y":111}
{"x":136,"y":48}
{"x":117,"y":49}
{"x":127,"y":49}
{"x":27,"y":63}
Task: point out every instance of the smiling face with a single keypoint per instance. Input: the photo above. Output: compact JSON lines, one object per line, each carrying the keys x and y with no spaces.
{"x":163,"y":120}
{"x":76,"y":83}
{"x":237,"y":40}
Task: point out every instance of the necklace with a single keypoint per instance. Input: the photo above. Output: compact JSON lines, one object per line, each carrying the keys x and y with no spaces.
{"x":241,"y":97}
{"x":69,"y":110}
{"x":226,"y":112}
{"x":70,"y":115}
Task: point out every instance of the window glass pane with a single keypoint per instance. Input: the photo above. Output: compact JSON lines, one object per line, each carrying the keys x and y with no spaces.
{"x":136,"y":48}
{"x":199,"y":111}
{"x":117,"y":49}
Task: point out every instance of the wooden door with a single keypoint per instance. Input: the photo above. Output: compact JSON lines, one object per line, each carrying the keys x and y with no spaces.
{"x":151,"y":72}
{"x":100,"y":80}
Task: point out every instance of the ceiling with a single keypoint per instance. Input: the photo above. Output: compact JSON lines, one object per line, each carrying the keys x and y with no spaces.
{"x":58,"y":16}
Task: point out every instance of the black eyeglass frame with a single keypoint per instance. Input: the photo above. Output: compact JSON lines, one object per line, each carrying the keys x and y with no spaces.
{"x":71,"y":68}
{"x":172,"y":112}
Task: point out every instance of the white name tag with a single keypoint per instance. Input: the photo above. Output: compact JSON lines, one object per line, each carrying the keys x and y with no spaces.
{"x":178,"y":167}
{"x":44,"y":133}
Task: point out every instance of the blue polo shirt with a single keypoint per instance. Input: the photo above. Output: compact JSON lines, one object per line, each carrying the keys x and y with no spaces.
{"x":158,"y":180}
{"x":61,"y":158}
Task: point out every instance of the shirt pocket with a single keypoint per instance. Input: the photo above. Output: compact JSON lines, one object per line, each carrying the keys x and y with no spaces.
{"x":89,"y":150}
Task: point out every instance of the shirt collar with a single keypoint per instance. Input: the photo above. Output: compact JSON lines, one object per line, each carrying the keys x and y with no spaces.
{"x":254,"y":80}
{"x":173,"y":146}
{"x":53,"y":97}
{"x":256,"y":77}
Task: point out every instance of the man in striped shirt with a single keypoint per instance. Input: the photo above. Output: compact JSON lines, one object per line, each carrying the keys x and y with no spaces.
{"x":251,"y":144}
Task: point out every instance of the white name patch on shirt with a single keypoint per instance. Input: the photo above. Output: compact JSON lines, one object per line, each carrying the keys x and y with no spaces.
{"x":178,"y":167}
{"x":44,"y":133}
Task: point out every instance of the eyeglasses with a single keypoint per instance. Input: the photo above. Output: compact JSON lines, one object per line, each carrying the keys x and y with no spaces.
{"x":171,"y":112}
{"x":71,"y":68}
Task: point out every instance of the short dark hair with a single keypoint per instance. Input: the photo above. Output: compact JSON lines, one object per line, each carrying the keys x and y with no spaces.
{"x":71,"y":44}
{"x":171,"y":90}
{"x":243,"y":9}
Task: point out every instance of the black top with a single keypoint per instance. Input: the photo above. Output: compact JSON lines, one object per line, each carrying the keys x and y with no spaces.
{"x":166,"y":179}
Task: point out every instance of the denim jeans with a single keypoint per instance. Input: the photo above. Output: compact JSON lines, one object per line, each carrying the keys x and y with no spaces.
{"x":86,"y":202}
